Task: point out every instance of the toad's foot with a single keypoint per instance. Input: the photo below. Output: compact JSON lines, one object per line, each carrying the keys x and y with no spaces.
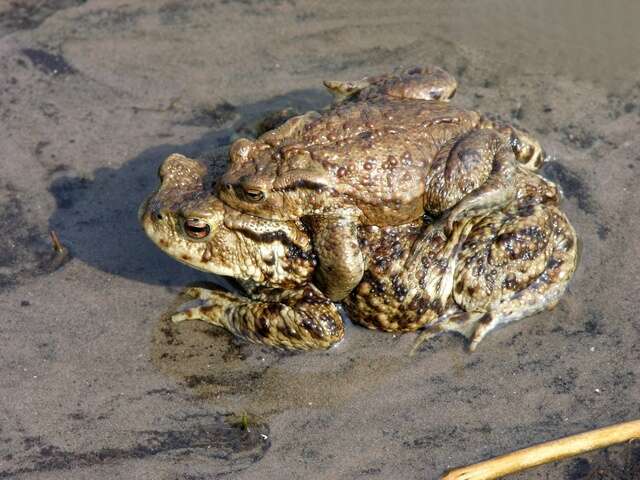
{"x":472,"y":325}
{"x":453,"y":321}
{"x":297,"y":320}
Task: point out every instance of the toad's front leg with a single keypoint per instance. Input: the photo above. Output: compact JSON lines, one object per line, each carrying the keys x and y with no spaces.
{"x":297,"y":320}
{"x":341,"y":263}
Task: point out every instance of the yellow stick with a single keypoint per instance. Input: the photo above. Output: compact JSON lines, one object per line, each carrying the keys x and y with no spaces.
{"x":547,"y":452}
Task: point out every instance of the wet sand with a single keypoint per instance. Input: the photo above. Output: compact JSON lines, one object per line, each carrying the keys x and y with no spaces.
{"x":95,"y":383}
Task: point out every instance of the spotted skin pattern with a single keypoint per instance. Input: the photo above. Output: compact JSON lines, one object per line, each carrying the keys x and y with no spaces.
{"x":490,"y":269}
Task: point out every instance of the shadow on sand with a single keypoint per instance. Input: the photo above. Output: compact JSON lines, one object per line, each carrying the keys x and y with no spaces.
{"x":97,"y":218}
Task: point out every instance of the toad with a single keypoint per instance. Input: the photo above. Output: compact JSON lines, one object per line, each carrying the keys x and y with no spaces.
{"x":391,"y":149}
{"x":490,"y":270}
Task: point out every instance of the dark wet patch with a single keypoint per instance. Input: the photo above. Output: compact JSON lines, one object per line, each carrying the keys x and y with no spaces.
{"x":443,"y":436}
{"x":47,"y":62}
{"x":25,"y":248}
{"x":573,"y":186}
{"x":578,"y":468}
{"x":221,"y":438}
{"x":29,"y":14}
{"x":305,"y":16}
{"x":602,"y":231}
{"x":564,"y":384}
{"x":461,"y":69}
{"x":593,"y":325}
{"x":489,"y":83}
{"x":228,"y":383}
{"x":578,"y":137}
{"x":180,"y":12}
{"x":615,"y":463}
{"x":624,"y":380}
{"x":624,"y":103}
{"x":40,"y":147}
{"x":213,"y":117}
{"x":259,"y":7}
{"x":517,"y":113}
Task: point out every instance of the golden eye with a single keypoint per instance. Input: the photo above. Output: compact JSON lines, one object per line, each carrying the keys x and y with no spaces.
{"x":254,"y":195}
{"x":196,"y":228}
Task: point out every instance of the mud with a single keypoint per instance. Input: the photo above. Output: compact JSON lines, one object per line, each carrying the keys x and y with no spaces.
{"x":95,"y":382}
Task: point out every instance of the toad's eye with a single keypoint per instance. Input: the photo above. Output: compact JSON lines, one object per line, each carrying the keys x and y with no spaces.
{"x":253,"y":195}
{"x":196,"y":228}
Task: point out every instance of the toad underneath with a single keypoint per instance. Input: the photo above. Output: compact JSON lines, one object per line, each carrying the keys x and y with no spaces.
{"x":491,"y":269}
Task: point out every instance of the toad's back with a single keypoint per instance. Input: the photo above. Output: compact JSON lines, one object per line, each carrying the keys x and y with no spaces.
{"x":394,"y":149}
{"x":378,"y":153}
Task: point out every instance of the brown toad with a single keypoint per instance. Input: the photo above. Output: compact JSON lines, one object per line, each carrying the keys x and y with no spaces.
{"x":392,"y":149}
{"x":490,"y":270}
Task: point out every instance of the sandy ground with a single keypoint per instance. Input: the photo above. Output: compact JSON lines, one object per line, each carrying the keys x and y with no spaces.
{"x":95,"y":383}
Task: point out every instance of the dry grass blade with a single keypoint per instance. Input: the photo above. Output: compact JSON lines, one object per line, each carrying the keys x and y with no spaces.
{"x":547,"y":452}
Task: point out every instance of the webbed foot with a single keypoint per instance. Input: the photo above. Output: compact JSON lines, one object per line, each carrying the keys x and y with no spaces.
{"x":465,"y":323}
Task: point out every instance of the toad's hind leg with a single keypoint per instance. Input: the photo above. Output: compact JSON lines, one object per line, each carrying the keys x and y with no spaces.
{"x":299,"y":319}
{"x":521,"y":269}
{"x":474,"y":173}
{"x":423,"y":83}
{"x":509,"y":275}
{"x":527,"y":150}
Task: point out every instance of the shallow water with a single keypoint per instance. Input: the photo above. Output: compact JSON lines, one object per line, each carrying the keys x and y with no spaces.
{"x":96,"y":383}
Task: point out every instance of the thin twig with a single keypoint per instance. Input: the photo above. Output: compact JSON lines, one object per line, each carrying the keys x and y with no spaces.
{"x":55,"y":241}
{"x":61,"y":253}
{"x":547,"y":452}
